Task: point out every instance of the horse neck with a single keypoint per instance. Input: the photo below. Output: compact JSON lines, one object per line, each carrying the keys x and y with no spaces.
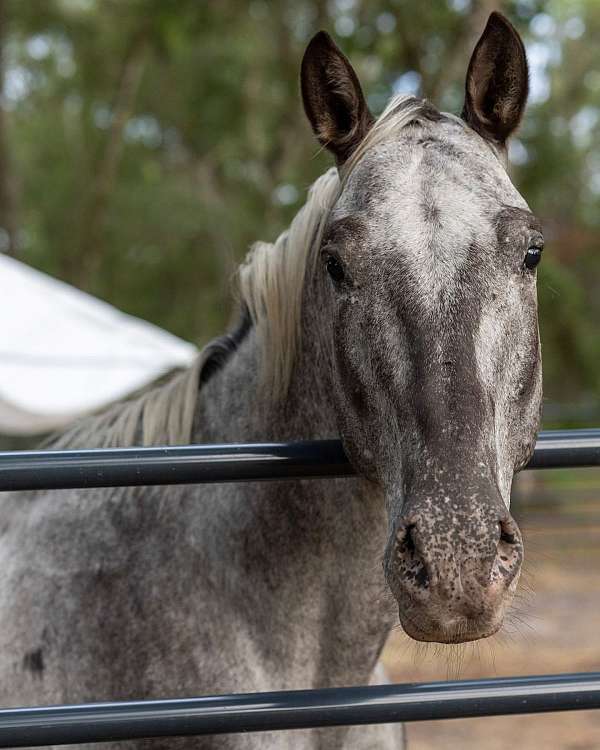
{"x":233,"y":406}
{"x":320,"y":542}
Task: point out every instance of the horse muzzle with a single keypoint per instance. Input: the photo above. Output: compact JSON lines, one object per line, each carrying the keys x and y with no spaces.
{"x":453,"y":568}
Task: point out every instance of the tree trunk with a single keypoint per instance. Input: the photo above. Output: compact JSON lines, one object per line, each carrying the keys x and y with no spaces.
{"x":91,"y":244}
{"x":8,"y":188}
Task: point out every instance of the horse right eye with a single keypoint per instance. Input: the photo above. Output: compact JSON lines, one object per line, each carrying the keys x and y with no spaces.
{"x":334,"y":268}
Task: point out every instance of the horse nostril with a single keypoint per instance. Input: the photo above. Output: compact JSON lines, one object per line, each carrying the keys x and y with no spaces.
{"x":507,"y":534}
{"x":408,"y":542}
{"x":414,"y":566}
{"x":510,"y":550}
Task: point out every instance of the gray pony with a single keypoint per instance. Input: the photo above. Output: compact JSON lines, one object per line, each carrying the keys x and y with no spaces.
{"x":398,"y":311}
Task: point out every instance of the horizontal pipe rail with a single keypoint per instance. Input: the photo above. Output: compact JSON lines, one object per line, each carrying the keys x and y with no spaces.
{"x":197,"y":464}
{"x":254,"y":712}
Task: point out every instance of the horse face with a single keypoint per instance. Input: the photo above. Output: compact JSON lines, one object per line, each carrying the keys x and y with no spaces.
{"x":428,"y":277}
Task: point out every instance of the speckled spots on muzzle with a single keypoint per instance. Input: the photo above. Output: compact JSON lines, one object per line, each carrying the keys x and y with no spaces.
{"x":453,"y":558}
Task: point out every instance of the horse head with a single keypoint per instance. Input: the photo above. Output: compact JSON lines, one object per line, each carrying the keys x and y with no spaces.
{"x":427,"y":293}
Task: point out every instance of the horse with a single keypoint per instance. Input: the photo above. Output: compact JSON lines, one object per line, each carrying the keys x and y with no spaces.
{"x":399,"y":312}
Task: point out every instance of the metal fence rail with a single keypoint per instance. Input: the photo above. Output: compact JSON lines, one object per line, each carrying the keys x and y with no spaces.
{"x":32,"y":727}
{"x":192,"y":464}
{"x":253,"y":712}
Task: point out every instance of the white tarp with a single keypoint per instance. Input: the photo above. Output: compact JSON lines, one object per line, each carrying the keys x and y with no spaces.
{"x":64,"y":353}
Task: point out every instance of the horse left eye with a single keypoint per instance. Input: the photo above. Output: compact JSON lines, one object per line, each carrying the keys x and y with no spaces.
{"x":533,"y":257}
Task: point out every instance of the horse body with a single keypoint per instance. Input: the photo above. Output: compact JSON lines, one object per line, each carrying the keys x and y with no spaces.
{"x":147,"y":592}
{"x":398,"y":312}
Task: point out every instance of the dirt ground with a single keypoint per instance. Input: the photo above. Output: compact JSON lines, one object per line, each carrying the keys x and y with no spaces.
{"x":555,"y":627}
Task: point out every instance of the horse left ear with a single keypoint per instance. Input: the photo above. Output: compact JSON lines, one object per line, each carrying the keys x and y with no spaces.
{"x":497,"y":81}
{"x":333,"y":99}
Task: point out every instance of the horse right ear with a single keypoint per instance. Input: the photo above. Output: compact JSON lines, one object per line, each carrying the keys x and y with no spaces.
{"x":333,"y":99}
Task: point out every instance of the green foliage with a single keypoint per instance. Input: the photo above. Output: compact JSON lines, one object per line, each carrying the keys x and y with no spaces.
{"x":151,"y":141}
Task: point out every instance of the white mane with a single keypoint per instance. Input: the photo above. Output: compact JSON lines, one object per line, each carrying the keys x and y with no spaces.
{"x":160,"y":416}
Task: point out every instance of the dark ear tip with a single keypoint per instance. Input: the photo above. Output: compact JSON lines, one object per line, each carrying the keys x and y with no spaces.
{"x":321,"y":40}
{"x":497,"y":17}
{"x":498,"y":21}
{"x":319,"y":46}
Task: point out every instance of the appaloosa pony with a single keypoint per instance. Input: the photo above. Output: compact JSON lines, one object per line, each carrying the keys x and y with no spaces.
{"x":399,"y":312}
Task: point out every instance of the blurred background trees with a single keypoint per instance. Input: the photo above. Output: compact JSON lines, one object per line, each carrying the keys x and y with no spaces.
{"x":144,"y":144}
